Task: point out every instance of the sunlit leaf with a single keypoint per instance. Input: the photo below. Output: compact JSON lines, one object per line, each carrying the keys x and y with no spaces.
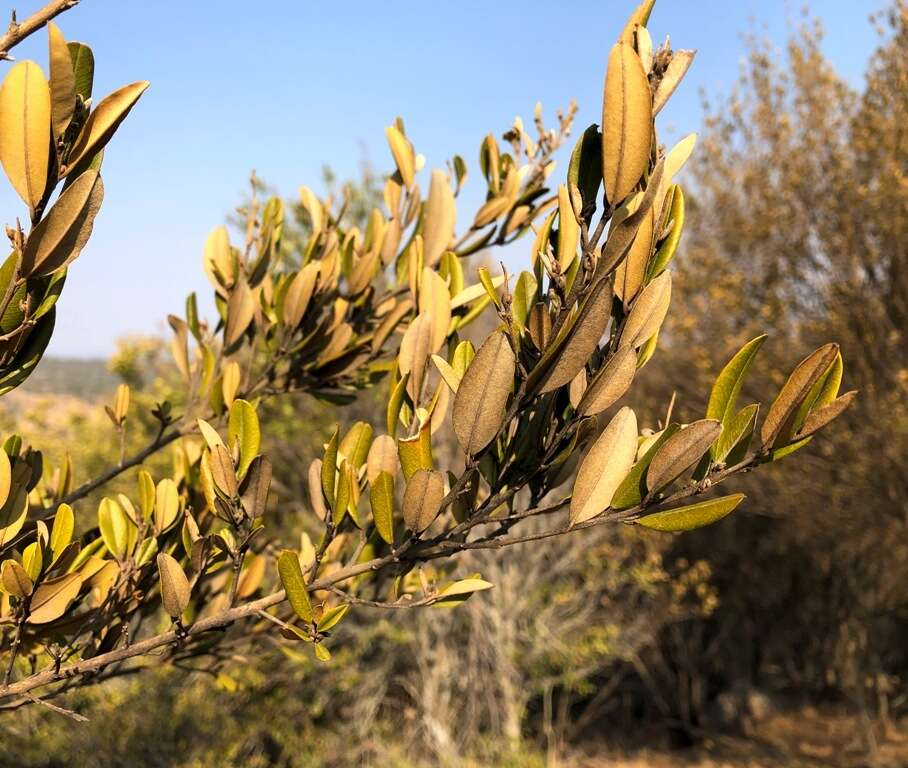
{"x":291,"y":575}
{"x":604,"y":467}
{"x":479,"y":406}
{"x":627,"y":120}
{"x":692,"y":516}
{"x":174,"y":585}
{"x":681,"y":451}
{"x":422,"y":499}
{"x":25,"y":130}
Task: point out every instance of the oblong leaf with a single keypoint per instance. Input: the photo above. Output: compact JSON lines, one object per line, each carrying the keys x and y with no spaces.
{"x":62,"y":80}
{"x":612,"y":381}
{"x":382,"y":457}
{"x":422,"y":499}
{"x":627,"y":123}
{"x":435,"y":301}
{"x":648,"y":311}
{"x":568,"y":230}
{"x":244,"y":432}
{"x":15,"y":579}
{"x":798,"y":385}
{"x":25,"y":130}
{"x":440,"y":218}
{"x":104,"y":121}
{"x":174,"y":585}
{"x":723,"y":398}
{"x":604,"y":467}
{"x":114,"y":526}
{"x":62,"y":532}
{"x":415,"y":452}
{"x":819,"y":418}
{"x":736,"y":434}
{"x":479,"y":406}
{"x":381,"y":499}
{"x":53,"y":597}
{"x":583,"y":339}
{"x":61,"y":235}
{"x":288,"y":566}
{"x":632,"y":490}
{"x":681,"y":451}
{"x":692,"y":516}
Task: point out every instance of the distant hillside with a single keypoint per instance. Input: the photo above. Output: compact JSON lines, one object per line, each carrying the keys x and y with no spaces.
{"x":87,"y":379}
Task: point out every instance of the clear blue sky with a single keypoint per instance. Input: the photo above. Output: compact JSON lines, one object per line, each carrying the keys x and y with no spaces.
{"x":287,"y":86}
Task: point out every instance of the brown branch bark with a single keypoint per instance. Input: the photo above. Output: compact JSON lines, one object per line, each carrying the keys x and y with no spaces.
{"x":18,"y":31}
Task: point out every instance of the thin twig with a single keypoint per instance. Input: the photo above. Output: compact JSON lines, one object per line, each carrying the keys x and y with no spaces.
{"x":18,"y":31}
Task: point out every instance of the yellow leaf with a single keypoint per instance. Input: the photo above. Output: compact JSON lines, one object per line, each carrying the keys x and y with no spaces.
{"x":104,"y":121}
{"x":627,"y":123}
{"x":52,"y":598}
{"x":25,"y":123}
{"x":440,"y":218}
{"x":568,"y":230}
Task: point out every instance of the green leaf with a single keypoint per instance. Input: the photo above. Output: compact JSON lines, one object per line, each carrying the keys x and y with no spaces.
{"x":381,"y":497}
{"x":489,"y":286}
{"x":666,"y":250}
{"x":322,"y":653}
{"x":147,"y":494}
{"x":243,"y":430}
{"x":415,"y":452}
{"x":288,"y":566}
{"x":329,"y":465}
{"x":735,"y":436}
{"x":466,"y":587}
{"x":692,"y":516}
{"x":523,"y":298}
{"x":33,"y":559}
{"x":355,"y":444}
{"x":724,"y":396}
{"x":62,"y":532}
{"x":83,"y":62}
{"x":332,"y":617}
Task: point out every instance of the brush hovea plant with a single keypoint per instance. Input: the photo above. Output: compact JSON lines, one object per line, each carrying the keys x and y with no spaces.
{"x":532,"y":407}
